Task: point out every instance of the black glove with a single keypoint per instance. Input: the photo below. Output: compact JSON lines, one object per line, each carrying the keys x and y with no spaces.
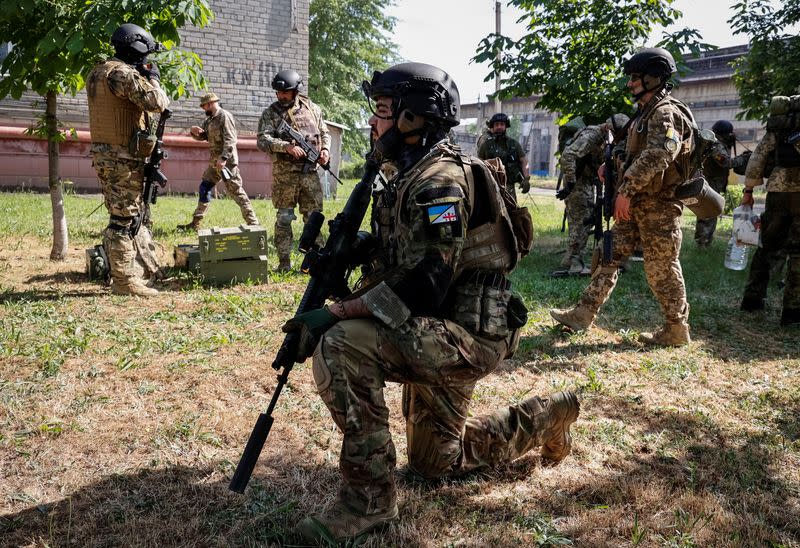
{"x":525,"y":184}
{"x":564,"y":192}
{"x":311,"y":325}
{"x":149,"y":70}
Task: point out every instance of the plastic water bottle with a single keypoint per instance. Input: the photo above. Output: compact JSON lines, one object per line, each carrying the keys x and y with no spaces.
{"x":736,"y":257}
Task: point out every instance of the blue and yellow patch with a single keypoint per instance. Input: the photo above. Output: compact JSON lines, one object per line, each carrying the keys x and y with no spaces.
{"x":672,"y":141}
{"x":444,"y":213}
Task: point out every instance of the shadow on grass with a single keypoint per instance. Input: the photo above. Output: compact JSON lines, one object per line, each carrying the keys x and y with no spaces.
{"x":73,"y":277}
{"x":36,"y":295}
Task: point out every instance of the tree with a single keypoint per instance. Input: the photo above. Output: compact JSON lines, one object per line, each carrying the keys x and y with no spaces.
{"x":772,"y":66}
{"x":347,"y":42}
{"x":572,"y":54}
{"x":57,"y":42}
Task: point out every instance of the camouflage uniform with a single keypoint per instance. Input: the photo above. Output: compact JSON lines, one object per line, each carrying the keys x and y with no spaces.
{"x":118,"y":96}
{"x":290,"y":185}
{"x":658,"y":147}
{"x":716,"y":169}
{"x":579,"y":163}
{"x":438,"y":354}
{"x":780,"y":228}
{"x":220,"y":132}
{"x":509,"y":151}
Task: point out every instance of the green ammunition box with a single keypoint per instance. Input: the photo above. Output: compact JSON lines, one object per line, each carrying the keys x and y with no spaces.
{"x":187,"y":257}
{"x":97,"y":266}
{"x":235,"y":270}
{"x":242,"y":242}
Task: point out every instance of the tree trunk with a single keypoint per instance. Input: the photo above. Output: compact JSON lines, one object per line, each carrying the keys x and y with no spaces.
{"x":60,"y":238}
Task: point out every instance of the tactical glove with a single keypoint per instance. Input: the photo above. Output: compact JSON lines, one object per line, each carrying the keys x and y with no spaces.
{"x":565,"y":191}
{"x":311,"y":325}
{"x":150,"y":71}
{"x":525,"y":185}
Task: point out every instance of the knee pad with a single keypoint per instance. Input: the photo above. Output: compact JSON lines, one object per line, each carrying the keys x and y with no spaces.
{"x":285,"y":217}
{"x":205,"y":191}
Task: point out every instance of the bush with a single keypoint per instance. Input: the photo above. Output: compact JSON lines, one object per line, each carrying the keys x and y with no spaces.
{"x":733,"y":197}
{"x":351,"y":170}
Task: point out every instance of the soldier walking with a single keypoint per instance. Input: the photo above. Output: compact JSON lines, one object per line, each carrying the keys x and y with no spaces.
{"x":657,"y":159}
{"x":294,"y":184}
{"x":497,"y":144}
{"x":716,"y":169}
{"x":219,"y":129}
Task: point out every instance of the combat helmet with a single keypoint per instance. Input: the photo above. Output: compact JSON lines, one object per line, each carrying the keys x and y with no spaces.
{"x":423,"y":89}
{"x":655,"y":65}
{"x":722,"y":127}
{"x":287,"y":80}
{"x":499,"y":117}
{"x":132,"y":43}
{"x":617,"y":122}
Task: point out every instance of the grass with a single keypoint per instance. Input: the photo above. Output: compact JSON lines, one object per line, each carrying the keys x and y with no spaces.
{"x":121,"y":419}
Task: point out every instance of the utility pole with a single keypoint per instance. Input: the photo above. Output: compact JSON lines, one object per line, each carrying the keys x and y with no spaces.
{"x":497,"y":104}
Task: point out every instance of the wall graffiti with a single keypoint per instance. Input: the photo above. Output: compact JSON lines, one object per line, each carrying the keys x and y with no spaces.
{"x":245,"y":76}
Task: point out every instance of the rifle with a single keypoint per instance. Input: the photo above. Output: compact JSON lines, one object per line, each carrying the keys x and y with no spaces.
{"x":153,"y":177}
{"x":608,"y":198}
{"x":312,"y":154}
{"x":329,"y":269}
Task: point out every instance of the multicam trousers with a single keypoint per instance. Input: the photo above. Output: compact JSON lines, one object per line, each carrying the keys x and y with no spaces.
{"x":438,"y":363}
{"x":579,"y":206}
{"x":235,"y":190}
{"x":290,"y":189}
{"x":656,"y":224}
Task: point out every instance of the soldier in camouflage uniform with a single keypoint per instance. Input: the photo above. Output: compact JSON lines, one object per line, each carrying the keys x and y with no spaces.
{"x":497,"y":144}
{"x":431,"y":315}
{"x":219,"y":129}
{"x":295,"y":183}
{"x":657,"y":160}
{"x":780,"y":224}
{"x":120,"y":91}
{"x":716,"y":170}
{"x":579,"y":163}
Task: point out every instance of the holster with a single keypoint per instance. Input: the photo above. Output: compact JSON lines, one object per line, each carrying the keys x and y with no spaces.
{"x":142,"y":143}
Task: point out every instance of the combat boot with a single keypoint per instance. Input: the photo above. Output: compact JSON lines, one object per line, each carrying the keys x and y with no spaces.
{"x":552,"y":418}
{"x":576,"y":318}
{"x":132,"y":287}
{"x":284,"y":264}
{"x":672,"y":334}
{"x":339,"y":524}
{"x":194,"y":225}
{"x":577,"y":266}
{"x":790,"y":316}
{"x":566,"y":260}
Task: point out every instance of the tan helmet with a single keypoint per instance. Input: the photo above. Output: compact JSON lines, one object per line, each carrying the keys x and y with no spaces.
{"x":617,"y":122}
{"x":210,"y":97}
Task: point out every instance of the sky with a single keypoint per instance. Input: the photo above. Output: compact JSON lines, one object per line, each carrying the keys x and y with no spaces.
{"x":446,"y":33}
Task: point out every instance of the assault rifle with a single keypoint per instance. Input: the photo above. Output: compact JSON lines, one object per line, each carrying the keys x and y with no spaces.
{"x":153,"y":177}
{"x":606,"y":196}
{"x":329,"y":269}
{"x":312,"y":154}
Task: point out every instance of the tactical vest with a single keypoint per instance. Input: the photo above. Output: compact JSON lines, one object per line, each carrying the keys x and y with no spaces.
{"x":677,"y":171}
{"x":507,"y":154}
{"x":490,"y":244}
{"x":112,"y":120}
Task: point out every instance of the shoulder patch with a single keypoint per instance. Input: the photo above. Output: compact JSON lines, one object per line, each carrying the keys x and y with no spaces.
{"x":672,"y":140}
{"x":432,"y":194}
{"x":442,"y":213}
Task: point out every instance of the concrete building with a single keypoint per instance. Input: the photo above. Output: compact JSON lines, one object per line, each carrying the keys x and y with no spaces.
{"x":708,"y":90}
{"x":241,"y":49}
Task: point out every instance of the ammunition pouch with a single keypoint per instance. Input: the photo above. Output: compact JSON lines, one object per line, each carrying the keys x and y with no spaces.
{"x":786,"y":153}
{"x":700,"y":198}
{"x":142,"y":143}
{"x":483,"y":304}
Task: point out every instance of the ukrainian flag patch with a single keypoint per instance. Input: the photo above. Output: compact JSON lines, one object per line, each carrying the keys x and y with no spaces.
{"x":444,"y":213}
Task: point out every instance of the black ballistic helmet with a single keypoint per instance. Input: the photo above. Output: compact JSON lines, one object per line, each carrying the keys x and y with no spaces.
{"x":651,"y":61}
{"x":423,"y":89}
{"x":722,"y":127}
{"x":287,"y":80}
{"x":132,"y":43}
{"x":499,"y":117}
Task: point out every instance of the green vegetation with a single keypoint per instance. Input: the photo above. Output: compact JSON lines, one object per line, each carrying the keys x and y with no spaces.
{"x":131,"y":413}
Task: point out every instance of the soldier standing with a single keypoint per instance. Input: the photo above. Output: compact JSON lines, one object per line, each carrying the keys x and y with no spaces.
{"x":294,"y":184}
{"x":716,"y":170}
{"x":579,"y":164}
{"x":780,"y":222}
{"x":219,"y":129}
{"x":414,"y":320}
{"x":657,"y":159}
{"x":498,"y":144}
{"x":121,"y":92}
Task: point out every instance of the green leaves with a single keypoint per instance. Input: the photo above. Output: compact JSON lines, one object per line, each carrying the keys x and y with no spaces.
{"x":573,"y":52}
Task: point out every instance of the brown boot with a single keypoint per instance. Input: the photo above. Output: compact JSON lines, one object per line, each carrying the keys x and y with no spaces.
{"x":566,"y":260}
{"x":576,"y":318}
{"x":284,"y":264}
{"x":339,"y":524}
{"x":194,"y":225}
{"x":560,"y":411}
{"x":132,"y":287}
{"x":672,"y":334}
